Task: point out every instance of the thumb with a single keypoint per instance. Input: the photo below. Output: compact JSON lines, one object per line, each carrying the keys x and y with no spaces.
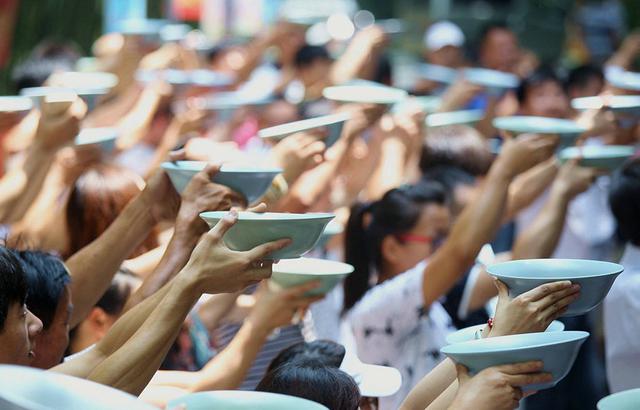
{"x":462,"y":374}
{"x":178,"y":155}
{"x":211,"y":170}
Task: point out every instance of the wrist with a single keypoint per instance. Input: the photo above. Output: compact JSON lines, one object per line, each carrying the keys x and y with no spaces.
{"x":501,"y":173}
{"x":258,"y":327}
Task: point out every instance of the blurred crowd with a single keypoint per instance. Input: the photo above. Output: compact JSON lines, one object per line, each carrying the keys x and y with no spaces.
{"x":107,"y":273}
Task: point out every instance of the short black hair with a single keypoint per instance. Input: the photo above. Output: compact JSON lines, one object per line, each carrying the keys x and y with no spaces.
{"x":310,"y":379}
{"x":541,"y":75}
{"x":486,"y":29}
{"x":46,"y":278}
{"x":580,"y":76}
{"x":327,"y":352}
{"x":456,"y":145}
{"x":307,"y":55}
{"x":13,"y":285}
{"x":46,"y":58}
{"x":449,"y":176}
{"x":624,"y":200}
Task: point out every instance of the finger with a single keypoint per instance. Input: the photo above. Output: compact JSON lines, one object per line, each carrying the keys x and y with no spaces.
{"x":211,"y":170}
{"x":503,"y":289}
{"x":463,"y":373}
{"x":260,"y":208}
{"x":554,"y":297}
{"x":223,"y":225}
{"x":261,"y":251}
{"x":521,"y":368}
{"x":527,"y":379}
{"x":552,"y":311}
{"x":256,"y":275}
{"x":178,"y":155}
{"x":545,"y":289}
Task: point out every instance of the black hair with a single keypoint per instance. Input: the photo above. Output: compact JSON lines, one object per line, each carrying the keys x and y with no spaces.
{"x":450,"y":177}
{"x":13,"y":285}
{"x":580,"y":76}
{"x":327,"y":352}
{"x":312,"y":380}
{"x":488,"y":28}
{"x":541,"y":75}
{"x":624,"y":200}
{"x":307,"y":55}
{"x":46,"y":278}
{"x":115,"y":298}
{"x":396,"y":212}
{"x":46,"y":58}
{"x":456,"y":145}
{"x":384,"y":71}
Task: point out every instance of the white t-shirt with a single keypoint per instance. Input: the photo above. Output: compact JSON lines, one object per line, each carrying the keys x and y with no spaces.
{"x":392,"y":327}
{"x":622,"y":325}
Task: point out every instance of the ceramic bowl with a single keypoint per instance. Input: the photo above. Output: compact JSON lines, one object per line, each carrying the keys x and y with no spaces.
{"x":25,"y":388}
{"x":333,"y":122}
{"x":495,"y":82}
{"x":443,"y":119}
{"x":104,"y":138}
{"x":242,"y":400}
{"x":617,"y":103}
{"x":625,"y":80}
{"x":557,"y":350}
{"x":200,"y":77}
{"x":469,"y":333}
{"x":624,"y":400}
{"x":438,"y":73}
{"x":77,"y":80}
{"x":567,"y":130}
{"x":253,"y":229}
{"x":372,"y":94}
{"x":292,"y":272}
{"x":333,"y":228}
{"x":427,"y":103}
{"x":174,"y":32}
{"x":594,"y":277}
{"x":90,"y":96}
{"x":606,"y":157}
{"x":15,"y":104}
{"x":251,"y":182}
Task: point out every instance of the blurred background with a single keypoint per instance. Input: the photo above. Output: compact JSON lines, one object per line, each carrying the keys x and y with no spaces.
{"x":563,"y":32}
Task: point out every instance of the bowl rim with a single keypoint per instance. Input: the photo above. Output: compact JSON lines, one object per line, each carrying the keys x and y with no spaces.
{"x":96,"y":135}
{"x":615,"y":102}
{"x":474,"y":328}
{"x":472,"y":73}
{"x":571,"y":336}
{"x":615,"y":396}
{"x":224,"y":169}
{"x":388,"y":95}
{"x":303,"y":125}
{"x":475,"y":114}
{"x":22,"y":102}
{"x":536,"y":120}
{"x":618,"y":269}
{"x":268,"y":216}
{"x":348,"y":269}
{"x":590,"y":152}
{"x":233,"y":394}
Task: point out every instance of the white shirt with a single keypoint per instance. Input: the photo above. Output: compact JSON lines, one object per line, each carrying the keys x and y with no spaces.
{"x":622,"y":325}
{"x":392,"y":327}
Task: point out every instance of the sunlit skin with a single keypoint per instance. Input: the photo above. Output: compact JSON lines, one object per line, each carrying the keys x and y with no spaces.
{"x":547,"y":100}
{"x":400,"y":256}
{"x":500,"y":50}
{"x":17,"y":339}
{"x":448,"y":56}
{"x":51,"y":343}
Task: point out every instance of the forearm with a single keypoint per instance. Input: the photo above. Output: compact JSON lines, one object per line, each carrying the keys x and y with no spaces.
{"x":540,"y":239}
{"x":390,"y":172}
{"x":445,"y":400}
{"x":93,"y":267}
{"x":227,"y":370}
{"x":431,"y":386}
{"x":527,"y":187}
{"x":136,"y":123}
{"x":20,"y":187}
{"x":215,"y":308}
{"x":133,"y":365}
{"x":169,"y":141}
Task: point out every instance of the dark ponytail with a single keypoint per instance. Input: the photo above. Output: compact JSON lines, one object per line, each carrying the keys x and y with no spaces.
{"x":396,"y":212}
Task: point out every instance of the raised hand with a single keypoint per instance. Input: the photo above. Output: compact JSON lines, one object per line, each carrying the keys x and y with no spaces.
{"x":573,"y":179}
{"x":298,"y":153}
{"x":59,"y":121}
{"x":524,"y":152}
{"x":532,"y":311}
{"x":496,"y":388}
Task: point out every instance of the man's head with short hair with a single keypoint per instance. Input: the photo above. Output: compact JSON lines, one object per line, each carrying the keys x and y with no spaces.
{"x":543,"y":94}
{"x":18,"y":326}
{"x":50,"y":300}
{"x":624,"y":200}
{"x":585,"y":81}
{"x":498,"y":47}
{"x":312,"y":63}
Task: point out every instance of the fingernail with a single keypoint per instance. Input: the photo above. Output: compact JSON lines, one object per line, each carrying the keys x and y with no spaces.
{"x":575,"y":286}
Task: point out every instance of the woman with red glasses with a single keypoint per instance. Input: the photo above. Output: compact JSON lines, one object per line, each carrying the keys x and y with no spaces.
{"x":391,"y":300}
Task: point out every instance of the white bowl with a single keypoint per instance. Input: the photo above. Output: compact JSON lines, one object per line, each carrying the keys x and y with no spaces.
{"x":616,"y":103}
{"x":365,"y":94}
{"x":104,"y":137}
{"x":469,"y":333}
{"x":494,"y":81}
{"x":293,"y":272}
{"x":438,"y":73}
{"x":624,"y":400}
{"x":15,"y":104}
{"x":25,"y":388}
{"x":606,"y":157}
{"x":242,"y":400}
{"x":76,"y":80}
{"x":333,"y":122}
{"x":200,"y":78}
{"x":443,"y":119}
{"x":557,"y":350}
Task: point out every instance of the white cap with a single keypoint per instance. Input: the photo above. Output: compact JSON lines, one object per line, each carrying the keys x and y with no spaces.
{"x":442,"y":34}
{"x":372,"y":380}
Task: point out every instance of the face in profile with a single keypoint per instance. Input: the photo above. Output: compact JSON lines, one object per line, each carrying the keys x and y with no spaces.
{"x":52,"y":342}
{"x":17,"y":338}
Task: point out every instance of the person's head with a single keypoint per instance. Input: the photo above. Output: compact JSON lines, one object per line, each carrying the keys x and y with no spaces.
{"x":498,"y":48}
{"x":97,"y":197}
{"x":50,"y":300}
{"x":460,"y":185}
{"x":47,"y":58}
{"x":542,"y":94}
{"x":585,"y":81}
{"x":18,"y":326}
{"x":443,"y":43}
{"x":326,"y":352}
{"x":392,"y":235}
{"x":624,"y":200}
{"x":105,"y":313}
{"x":312,"y":380}
{"x":457,"y":145}
{"x":312,"y":63}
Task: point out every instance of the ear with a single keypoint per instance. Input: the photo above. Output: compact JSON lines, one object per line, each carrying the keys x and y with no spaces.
{"x":391,"y":249}
{"x":100,"y":321}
